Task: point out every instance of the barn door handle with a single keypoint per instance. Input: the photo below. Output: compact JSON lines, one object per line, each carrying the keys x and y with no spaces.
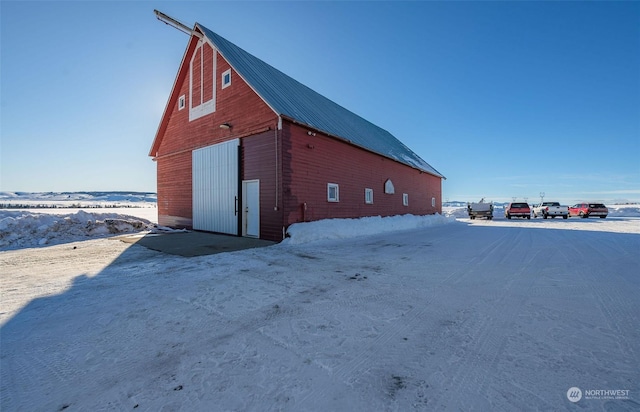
{"x":236,"y":205}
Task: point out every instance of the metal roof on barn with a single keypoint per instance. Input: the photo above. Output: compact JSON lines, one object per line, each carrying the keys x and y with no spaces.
{"x":291,"y":99}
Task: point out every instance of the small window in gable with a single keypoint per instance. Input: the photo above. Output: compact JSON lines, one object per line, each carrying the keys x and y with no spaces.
{"x":333,"y":192}
{"x":405,"y":199}
{"x":181,"y":102}
{"x":368,"y":196}
{"x":226,"y":78}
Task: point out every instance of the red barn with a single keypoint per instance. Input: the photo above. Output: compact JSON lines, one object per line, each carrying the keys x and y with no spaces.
{"x":246,"y":150}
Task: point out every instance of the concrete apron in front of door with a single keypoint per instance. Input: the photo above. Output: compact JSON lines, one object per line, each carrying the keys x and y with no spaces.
{"x":194,"y":243}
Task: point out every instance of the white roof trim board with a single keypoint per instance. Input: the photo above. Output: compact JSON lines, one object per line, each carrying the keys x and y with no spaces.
{"x":293,"y":100}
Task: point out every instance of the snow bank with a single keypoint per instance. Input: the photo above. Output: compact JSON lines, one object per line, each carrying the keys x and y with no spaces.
{"x":455,"y":212}
{"x":21,"y":229}
{"x":329,"y":229}
{"x":624,"y":211}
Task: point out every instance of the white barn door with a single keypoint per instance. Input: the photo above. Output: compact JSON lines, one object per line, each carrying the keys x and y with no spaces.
{"x":215,"y":187}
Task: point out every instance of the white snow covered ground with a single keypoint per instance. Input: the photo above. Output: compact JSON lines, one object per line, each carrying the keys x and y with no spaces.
{"x":403,"y":313}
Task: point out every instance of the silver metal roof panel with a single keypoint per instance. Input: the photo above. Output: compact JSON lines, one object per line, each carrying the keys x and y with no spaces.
{"x":292,"y":99}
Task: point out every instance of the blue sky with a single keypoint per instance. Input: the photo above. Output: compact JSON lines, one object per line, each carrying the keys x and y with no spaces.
{"x":506,"y":99}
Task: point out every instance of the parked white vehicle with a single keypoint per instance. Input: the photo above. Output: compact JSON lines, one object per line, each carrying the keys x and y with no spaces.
{"x":550,"y":209}
{"x":480,"y":209}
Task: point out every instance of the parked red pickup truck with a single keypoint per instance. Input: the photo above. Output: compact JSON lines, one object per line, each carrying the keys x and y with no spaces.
{"x":588,"y":209}
{"x":517,"y":210}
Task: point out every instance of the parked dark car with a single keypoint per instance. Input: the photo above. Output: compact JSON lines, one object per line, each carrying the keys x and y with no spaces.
{"x":515,"y":209}
{"x":588,"y":209}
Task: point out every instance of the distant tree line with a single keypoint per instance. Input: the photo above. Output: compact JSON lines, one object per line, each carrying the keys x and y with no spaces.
{"x":69,"y":206}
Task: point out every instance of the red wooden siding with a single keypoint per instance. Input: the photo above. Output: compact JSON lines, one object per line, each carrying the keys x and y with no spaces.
{"x":207,"y":73}
{"x":174,"y":190}
{"x":314,"y":161}
{"x":261,"y":159}
{"x":196,"y":78}
{"x":236,"y":104}
{"x":240,"y":106}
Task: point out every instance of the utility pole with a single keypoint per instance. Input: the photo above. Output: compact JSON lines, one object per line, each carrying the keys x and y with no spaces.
{"x":541,"y":197}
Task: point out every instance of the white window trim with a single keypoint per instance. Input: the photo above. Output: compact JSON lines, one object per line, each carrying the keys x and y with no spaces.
{"x":405,"y":199}
{"x":203,"y":108}
{"x":337,"y":192}
{"x":181,"y":102}
{"x":368,"y":196}
{"x":433,"y":202}
{"x":224,"y":74}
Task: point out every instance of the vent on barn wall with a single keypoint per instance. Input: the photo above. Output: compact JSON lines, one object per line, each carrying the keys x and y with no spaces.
{"x":388,"y":187}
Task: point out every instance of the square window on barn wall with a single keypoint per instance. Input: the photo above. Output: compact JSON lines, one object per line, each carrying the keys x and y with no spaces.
{"x":368,"y":196}
{"x":333,"y":192}
{"x":181,"y":102}
{"x":226,"y":78}
{"x":405,"y":199}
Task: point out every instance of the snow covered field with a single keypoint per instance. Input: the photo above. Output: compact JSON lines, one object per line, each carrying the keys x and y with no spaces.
{"x":427,"y":313}
{"x":78,"y":199}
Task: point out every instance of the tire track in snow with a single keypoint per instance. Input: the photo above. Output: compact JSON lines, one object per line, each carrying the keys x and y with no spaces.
{"x":294,"y":306}
{"x":367,"y":357}
{"x":619,"y":312}
{"x":477,"y":259}
{"x":618,"y":306}
{"x":483,"y":344}
{"x":321,"y":303}
{"x":50,"y":370}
